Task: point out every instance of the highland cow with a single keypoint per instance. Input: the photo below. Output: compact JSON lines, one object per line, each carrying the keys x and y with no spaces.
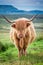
{"x":22,"y":33}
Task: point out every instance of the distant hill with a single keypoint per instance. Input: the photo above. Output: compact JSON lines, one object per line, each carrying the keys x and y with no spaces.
{"x":36,"y":12}
{"x":5,"y":9}
{"x":9,"y":9}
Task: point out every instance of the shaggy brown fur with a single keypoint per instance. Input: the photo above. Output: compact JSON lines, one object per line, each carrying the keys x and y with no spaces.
{"x":22,"y":33}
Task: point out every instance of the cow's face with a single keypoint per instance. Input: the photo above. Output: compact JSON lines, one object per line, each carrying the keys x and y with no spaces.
{"x":21,"y":27}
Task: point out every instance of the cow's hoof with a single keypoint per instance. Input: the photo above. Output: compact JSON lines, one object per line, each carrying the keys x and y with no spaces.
{"x":19,"y":55}
{"x":24,"y":53}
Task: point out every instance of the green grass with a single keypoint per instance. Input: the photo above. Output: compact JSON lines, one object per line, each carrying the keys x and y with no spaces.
{"x":9,"y":53}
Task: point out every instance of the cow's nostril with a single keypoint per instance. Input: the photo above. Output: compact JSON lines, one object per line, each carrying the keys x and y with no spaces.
{"x":20,"y":35}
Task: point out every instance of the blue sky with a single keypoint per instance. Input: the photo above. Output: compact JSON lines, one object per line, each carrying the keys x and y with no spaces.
{"x":24,"y":4}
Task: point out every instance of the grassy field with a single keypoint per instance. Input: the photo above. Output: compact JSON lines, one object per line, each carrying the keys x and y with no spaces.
{"x":9,"y":53}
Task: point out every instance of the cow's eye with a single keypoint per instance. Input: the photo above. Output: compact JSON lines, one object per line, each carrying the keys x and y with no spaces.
{"x":13,"y":25}
{"x":28,"y":24}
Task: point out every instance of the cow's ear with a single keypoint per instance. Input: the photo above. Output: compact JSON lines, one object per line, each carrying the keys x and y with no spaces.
{"x":28,"y":24}
{"x":13,"y":25}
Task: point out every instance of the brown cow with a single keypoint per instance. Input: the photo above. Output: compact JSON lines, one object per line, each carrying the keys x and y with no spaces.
{"x":22,"y":33}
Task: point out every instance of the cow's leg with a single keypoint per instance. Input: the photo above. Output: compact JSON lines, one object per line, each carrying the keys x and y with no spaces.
{"x":24,"y":51}
{"x":16,"y":43}
{"x":26,"y":42}
{"x":19,"y":54}
{"x":21,"y":44}
{"x":24,"y":48}
{"x":20,"y":51}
